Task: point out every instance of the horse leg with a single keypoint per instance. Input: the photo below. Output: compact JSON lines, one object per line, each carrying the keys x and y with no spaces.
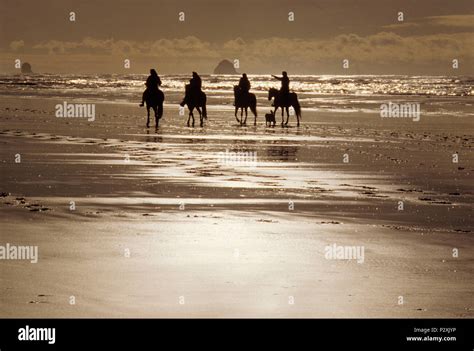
{"x":246,"y":114}
{"x":200,"y":116}
{"x":287,"y":115}
{"x":297,"y":118}
{"x":236,"y":110}
{"x":148,"y":116}
{"x":155,"y":110}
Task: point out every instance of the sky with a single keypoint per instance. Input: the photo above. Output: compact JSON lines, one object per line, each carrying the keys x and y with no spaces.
{"x":258,"y":33}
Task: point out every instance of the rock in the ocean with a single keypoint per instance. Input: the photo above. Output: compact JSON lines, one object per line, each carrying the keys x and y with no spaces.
{"x":225,"y":67}
{"x":26,"y":68}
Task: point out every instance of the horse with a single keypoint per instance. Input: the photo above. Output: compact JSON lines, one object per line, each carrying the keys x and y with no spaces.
{"x":195,"y":101}
{"x":244,"y":102}
{"x":154,"y":100}
{"x":284,"y":104}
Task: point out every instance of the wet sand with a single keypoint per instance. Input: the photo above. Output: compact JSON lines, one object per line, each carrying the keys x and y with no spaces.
{"x":213,"y":239}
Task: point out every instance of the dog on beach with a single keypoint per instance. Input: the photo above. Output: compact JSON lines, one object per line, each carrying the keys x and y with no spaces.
{"x":269,"y":118}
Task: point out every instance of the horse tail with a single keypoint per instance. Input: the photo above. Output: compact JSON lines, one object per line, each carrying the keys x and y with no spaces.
{"x":203,"y":104}
{"x":298,"y":110}
{"x":297,"y":107}
{"x":253,"y":108}
{"x":253,"y":104}
{"x":161,"y":99}
{"x":160,"y":110}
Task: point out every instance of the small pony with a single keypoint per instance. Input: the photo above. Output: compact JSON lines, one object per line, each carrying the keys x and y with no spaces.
{"x":269,"y":118}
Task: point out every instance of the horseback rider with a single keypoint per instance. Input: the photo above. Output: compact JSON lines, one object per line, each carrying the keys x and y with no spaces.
{"x":244,"y":87}
{"x":194,"y":88}
{"x":195,"y":83}
{"x":153,"y":82}
{"x":285,"y":85}
{"x":244,"y":84}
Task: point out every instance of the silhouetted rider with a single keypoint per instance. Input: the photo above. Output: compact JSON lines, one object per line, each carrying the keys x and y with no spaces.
{"x":195,"y":82}
{"x":152,"y":83}
{"x":244,"y":84}
{"x":194,"y":87}
{"x":285,"y":83}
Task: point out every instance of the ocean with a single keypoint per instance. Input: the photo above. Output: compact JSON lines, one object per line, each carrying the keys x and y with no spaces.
{"x":329,"y":93}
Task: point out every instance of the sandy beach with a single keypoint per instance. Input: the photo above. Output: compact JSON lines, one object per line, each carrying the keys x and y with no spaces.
{"x":163,"y":228}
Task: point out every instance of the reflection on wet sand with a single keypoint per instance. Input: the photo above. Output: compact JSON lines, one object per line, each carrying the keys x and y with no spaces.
{"x":183,"y":211}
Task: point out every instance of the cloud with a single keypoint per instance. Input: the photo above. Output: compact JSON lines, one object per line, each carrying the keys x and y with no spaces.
{"x":401,"y":25}
{"x":384,"y":47}
{"x":235,"y":44}
{"x":453,"y":20}
{"x":16,"y":45}
{"x":168,"y":48}
{"x":262,"y":55}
